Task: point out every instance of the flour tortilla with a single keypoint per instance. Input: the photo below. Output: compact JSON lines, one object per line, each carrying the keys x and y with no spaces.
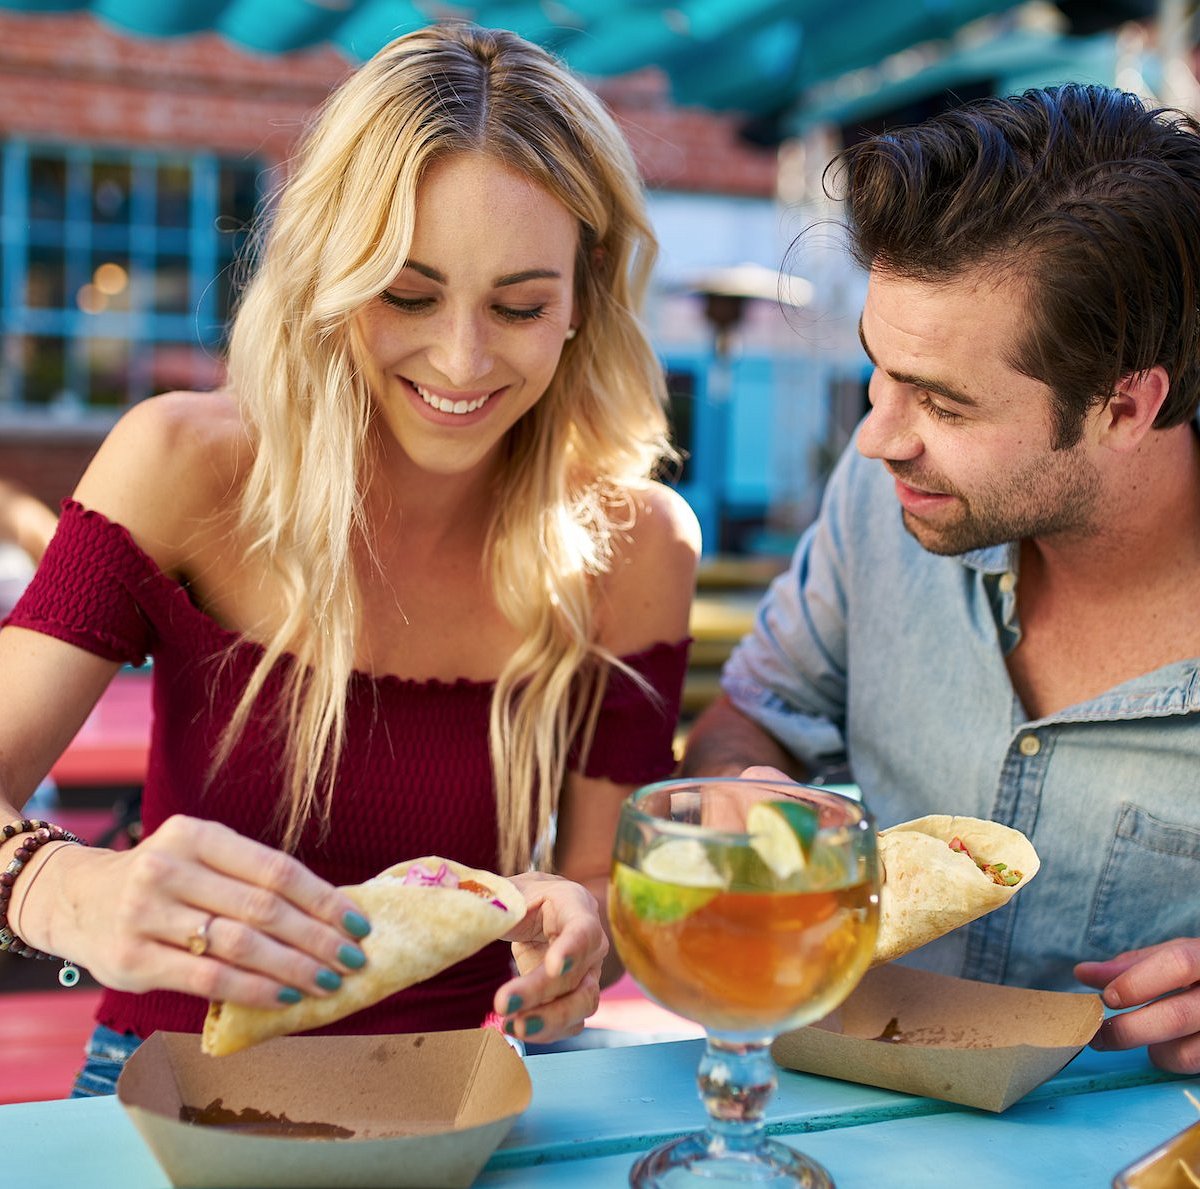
{"x":929,"y":889}
{"x":416,"y":932}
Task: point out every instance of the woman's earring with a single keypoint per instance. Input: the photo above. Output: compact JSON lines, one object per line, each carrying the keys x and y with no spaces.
{"x":570,"y":333}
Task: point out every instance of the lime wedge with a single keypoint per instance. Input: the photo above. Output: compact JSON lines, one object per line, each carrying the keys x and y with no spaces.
{"x":682,"y":861}
{"x":782,"y":833}
{"x":676,"y":879}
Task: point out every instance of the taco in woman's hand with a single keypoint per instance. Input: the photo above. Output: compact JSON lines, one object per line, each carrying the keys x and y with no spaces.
{"x":941,"y":872}
{"x":426,"y":914}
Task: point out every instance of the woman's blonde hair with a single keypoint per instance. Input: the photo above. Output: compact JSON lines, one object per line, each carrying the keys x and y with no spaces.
{"x":339,"y":232}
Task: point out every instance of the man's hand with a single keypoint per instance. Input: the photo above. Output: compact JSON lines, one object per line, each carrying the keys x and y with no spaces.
{"x":1162,"y":982}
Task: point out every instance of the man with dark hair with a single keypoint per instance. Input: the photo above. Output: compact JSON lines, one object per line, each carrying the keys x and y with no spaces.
{"x":1028,"y":650}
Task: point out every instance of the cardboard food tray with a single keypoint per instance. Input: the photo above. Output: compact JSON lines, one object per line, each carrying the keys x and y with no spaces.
{"x":977,"y":1044}
{"x":1163,"y":1167}
{"x":385,"y":1112}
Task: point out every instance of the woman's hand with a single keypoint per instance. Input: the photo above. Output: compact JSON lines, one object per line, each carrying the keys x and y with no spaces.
{"x":1162,"y":982}
{"x":198,"y":908}
{"x":559,"y":948}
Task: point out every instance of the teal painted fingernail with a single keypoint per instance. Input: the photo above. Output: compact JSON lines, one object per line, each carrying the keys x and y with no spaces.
{"x":567,"y":964}
{"x":328,"y":980}
{"x":289,"y":995}
{"x":356,"y":924}
{"x":510,"y":1027}
{"x":533,"y":1025}
{"x":514,"y":1004}
{"x":352,"y":956}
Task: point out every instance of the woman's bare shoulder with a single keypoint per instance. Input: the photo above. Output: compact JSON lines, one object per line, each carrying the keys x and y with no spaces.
{"x":648,"y":591}
{"x":663,"y":516}
{"x":170,"y":466}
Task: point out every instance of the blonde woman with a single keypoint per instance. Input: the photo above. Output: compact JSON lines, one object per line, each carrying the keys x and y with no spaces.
{"x":408,"y":585}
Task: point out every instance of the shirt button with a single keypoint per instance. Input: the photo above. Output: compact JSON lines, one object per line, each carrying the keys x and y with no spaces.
{"x":1030,"y":745}
{"x":1007,"y":583}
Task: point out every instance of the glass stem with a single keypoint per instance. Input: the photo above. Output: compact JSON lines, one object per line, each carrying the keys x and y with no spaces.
{"x":736,"y":1080}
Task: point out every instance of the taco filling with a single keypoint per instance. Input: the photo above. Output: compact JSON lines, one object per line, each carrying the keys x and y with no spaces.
{"x":999,"y":873}
{"x":443,"y":877}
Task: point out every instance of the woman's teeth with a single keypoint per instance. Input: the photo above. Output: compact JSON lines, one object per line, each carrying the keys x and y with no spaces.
{"x":444,"y":405}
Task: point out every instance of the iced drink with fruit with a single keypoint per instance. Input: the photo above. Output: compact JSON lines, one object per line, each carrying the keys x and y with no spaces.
{"x":750,"y":907}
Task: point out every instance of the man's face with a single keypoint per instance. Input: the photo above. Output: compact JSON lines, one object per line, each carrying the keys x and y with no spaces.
{"x":965,"y":436}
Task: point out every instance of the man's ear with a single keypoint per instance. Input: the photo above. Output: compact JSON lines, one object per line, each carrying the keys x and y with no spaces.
{"x":1129,"y":415}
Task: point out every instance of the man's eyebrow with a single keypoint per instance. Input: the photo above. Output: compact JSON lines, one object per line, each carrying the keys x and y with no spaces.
{"x":512,"y":278}
{"x":923,"y":382}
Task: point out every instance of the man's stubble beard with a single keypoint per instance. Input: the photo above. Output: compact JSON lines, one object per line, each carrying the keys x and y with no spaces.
{"x":1052,"y":495}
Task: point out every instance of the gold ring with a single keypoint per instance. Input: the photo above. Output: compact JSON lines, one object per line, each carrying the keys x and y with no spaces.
{"x":198,"y":941}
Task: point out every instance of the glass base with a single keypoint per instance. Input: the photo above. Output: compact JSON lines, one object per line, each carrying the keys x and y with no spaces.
{"x":701,"y":1162}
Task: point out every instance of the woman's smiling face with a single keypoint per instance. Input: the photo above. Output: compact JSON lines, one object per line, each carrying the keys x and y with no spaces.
{"x":466,"y":338}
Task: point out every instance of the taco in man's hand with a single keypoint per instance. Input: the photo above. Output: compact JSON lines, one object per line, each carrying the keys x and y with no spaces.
{"x":941,"y":872}
{"x":426,"y":914}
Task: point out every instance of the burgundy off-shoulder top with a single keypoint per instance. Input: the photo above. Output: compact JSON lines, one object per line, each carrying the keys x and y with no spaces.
{"x":414,"y":779}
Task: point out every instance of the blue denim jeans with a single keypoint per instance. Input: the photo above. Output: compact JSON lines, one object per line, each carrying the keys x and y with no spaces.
{"x":105,"y":1057}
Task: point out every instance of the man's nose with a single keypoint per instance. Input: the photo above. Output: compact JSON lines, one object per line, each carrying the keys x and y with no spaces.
{"x":890,"y":431}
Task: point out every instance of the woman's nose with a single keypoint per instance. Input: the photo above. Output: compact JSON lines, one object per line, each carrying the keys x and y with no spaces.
{"x":889,"y":431}
{"x":462,"y":351}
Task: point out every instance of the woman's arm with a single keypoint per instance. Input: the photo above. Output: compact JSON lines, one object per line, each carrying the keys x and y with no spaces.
{"x":647,"y":600}
{"x":563,"y":953}
{"x":268,"y":924}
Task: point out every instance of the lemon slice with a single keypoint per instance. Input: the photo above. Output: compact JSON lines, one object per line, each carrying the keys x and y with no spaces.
{"x":782,"y":833}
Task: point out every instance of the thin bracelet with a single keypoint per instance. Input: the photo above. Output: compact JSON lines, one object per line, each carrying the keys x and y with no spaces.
{"x":15,"y":925}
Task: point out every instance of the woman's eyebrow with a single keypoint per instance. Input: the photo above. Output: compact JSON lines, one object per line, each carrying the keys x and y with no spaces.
{"x":426,"y":270}
{"x":530,"y":274}
{"x":512,"y":278}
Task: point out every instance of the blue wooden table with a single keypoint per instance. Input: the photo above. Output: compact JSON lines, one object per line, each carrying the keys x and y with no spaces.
{"x":593,"y":1110}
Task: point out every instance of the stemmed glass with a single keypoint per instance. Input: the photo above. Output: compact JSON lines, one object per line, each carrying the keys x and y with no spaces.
{"x":751,"y":907}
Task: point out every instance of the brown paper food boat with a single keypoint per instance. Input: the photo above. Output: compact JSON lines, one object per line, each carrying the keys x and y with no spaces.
{"x":368,"y":1112}
{"x":968,"y":1042}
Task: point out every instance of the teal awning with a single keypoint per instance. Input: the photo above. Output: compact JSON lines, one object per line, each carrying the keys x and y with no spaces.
{"x":762,"y":57}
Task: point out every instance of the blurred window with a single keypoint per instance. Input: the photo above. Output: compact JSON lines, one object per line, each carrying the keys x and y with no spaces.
{"x":116,"y":271}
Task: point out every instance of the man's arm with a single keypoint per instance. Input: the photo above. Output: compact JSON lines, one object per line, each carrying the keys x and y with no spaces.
{"x":724,"y":742}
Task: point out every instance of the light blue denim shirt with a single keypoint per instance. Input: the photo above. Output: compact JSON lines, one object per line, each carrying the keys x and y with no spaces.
{"x":872,"y":649}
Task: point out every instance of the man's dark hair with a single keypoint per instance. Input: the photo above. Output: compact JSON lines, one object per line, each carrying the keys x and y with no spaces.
{"x":1084,"y":197}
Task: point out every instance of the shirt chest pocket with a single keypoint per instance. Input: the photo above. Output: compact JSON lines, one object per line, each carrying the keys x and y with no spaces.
{"x":1149,"y":888}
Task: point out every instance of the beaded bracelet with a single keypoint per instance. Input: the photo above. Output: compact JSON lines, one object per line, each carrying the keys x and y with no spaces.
{"x":40,"y":832}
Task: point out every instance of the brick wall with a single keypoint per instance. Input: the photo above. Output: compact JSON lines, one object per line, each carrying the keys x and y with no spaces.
{"x":47,"y":463}
{"x":686,"y":148}
{"x":70,"y":77}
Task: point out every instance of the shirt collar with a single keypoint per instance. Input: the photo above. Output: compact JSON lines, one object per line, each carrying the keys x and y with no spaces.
{"x":996,"y":559}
